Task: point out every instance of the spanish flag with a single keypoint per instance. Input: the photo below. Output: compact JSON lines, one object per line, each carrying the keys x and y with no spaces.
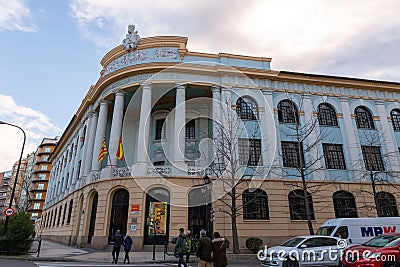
{"x":120,"y":151}
{"x":103,"y":150}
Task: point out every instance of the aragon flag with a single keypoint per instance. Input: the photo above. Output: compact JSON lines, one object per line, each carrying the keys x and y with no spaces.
{"x":103,"y":150}
{"x":120,"y":151}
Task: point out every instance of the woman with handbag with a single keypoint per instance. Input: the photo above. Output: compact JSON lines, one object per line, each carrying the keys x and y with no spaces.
{"x":219,"y":251}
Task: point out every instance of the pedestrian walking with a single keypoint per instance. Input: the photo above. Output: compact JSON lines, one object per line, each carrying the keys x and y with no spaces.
{"x":219,"y":251}
{"x":118,"y":241}
{"x":204,"y":250}
{"x":190,"y":243}
{"x":181,"y":248}
{"x":127,"y":247}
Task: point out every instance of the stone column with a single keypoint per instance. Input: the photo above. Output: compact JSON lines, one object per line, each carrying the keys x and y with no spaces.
{"x":388,"y":137}
{"x":143,"y":131}
{"x":351,"y":146}
{"x":90,"y":143}
{"x":100,"y":134}
{"x":269,"y":129}
{"x":116,"y":127}
{"x":85,"y":146}
{"x":179,"y":127}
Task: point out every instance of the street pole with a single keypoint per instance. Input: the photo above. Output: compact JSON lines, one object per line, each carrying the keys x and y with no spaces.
{"x":16,"y":175}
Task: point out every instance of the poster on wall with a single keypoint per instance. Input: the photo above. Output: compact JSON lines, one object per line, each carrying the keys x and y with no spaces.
{"x":158,"y":212}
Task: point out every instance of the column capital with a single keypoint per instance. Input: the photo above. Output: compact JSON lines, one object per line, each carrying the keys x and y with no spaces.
{"x":118,"y":91}
{"x":146,"y":85}
{"x":343,"y":98}
{"x":215,"y":88}
{"x":266,"y":90}
{"x":104,"y":102}
{"x":379,"y":102}
{"x":180,"y":85}
{"x":226,"y":88}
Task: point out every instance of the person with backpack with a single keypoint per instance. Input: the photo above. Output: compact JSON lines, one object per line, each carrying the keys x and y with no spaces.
{"x":118,"y":241}
{"x":181,"y":247}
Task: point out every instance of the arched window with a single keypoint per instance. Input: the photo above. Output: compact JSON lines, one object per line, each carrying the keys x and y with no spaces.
{"x":255,"y":205}
{"x":246,"y":109}
{"x":386,"y":205}
{"x":287,"y":112}
{"x":364,"y":118}
{"x":326,"y":115}
{"x":344,"y":204}
{"x":395,"y":115}
{"x":297,"y":205}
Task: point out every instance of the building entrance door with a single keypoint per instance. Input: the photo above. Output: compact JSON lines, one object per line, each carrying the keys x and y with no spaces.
{"x":93,"y":218}
{"x":199,"y":212}
{"x":119,"y":213}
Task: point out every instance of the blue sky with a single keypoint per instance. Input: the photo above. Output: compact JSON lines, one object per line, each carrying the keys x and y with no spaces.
{"x":50,"y":50}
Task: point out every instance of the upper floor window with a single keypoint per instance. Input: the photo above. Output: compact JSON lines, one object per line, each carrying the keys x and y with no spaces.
{"x":327,"y":115}
{"x":297,"y":205}
{"x":255,"y":205}
{"x":250,"y":152}
{"x":36,"y":206}
{"x":292,"y":154}
{"x":47,"y":150}
{"x":364,"y":118}
{"x":190,"y":129}
{"x":395,"y":115}
{"x":246,"y":109}
{"x":160,"y":132}
{"x":42,"y":176}
{"x":45,"y":158}
{"x":44,"y":168}
{"x":372,"y":158}
{"x":334,"y":158}
{"x":40,"y":187}
{"x":38,"y":196}
{"x":287,"y":112}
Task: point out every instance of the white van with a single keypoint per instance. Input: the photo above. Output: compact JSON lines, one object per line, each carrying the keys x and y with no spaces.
{"x":359,"y":230}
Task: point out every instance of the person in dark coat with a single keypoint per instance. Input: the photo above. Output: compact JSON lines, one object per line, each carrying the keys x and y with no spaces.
{"x":118,"y":241}
{"x":204,"y":250}
{"x":127,"y":247}
{"x":219,"y":251}
{"x":180,"y":248}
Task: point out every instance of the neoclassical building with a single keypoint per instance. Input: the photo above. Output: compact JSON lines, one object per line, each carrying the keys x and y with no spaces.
{"x":173,"y":110}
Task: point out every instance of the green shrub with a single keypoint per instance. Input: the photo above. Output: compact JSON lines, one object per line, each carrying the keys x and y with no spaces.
{"x":254,"y":244}
{"x":18,"y":238}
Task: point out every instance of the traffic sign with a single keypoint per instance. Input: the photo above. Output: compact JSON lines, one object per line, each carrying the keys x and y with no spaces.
{"x":9,"y":212}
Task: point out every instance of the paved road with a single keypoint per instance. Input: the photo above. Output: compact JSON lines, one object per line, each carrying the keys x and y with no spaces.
{"x":21,"y":263}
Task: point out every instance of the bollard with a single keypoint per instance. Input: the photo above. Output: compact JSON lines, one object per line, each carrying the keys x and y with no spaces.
{"x":40,"y":244}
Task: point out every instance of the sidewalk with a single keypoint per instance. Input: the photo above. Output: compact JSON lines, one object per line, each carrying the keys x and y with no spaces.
{"x":52,"y":251}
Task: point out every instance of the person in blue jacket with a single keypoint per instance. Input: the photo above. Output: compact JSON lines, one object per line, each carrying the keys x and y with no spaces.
{"x":127,"y":247}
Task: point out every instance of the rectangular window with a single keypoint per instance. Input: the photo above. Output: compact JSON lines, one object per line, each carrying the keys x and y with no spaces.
{"x":36,"y":206}
{"x":45,"y":158}
{"x":47,"y":150}
{"x":35,"y":215}
{"x":160,"y":132}
{"x":38,"y":196}
{"x":44,"y":168}
{"x":334,"y":158}
{"x":292,"y":154}
{"x":250,"y":152}
{"x":42,"y":176}
{"x":40,"y":187}
{"x":190,"y":129}
{"x":372,"y":158}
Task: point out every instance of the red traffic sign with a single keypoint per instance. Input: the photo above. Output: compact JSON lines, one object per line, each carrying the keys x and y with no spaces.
{"x":9,"y":212}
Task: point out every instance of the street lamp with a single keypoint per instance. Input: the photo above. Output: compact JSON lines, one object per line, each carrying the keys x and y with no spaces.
{"x":16,"y":175}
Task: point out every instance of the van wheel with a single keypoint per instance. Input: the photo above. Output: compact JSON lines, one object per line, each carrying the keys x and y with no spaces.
{"x":291,"y":263}
{"x":392,"y":264}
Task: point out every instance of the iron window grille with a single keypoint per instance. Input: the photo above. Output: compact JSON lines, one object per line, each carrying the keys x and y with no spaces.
{"x":372,"y":158}
{"x":255,"y":205}
{"x":287,"y":112}
{"x":395,"y":115}
{"x":297,"y":205}
{"x":292,"y":154}
{"x":334,"y":158}
{"x":387,"y":206}
{"x":250,"y":152}
{"x":246,"y":109}
{"x":344,"y":205}
{"x":364,"y":118}
{"x":327,"y":115}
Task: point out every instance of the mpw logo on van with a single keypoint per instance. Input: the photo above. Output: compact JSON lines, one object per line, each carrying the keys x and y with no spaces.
{"x":377,"y":230}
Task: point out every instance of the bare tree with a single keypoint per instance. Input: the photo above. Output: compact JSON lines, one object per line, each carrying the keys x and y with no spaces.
{"x":376,"y":168}
{"x":237,"y":158}
{"x":303,"y":156}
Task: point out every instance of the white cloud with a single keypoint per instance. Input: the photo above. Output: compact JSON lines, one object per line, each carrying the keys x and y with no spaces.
{"x":298,"y":35}
{"x":35,"y":124}
{"x":15,"y":16}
